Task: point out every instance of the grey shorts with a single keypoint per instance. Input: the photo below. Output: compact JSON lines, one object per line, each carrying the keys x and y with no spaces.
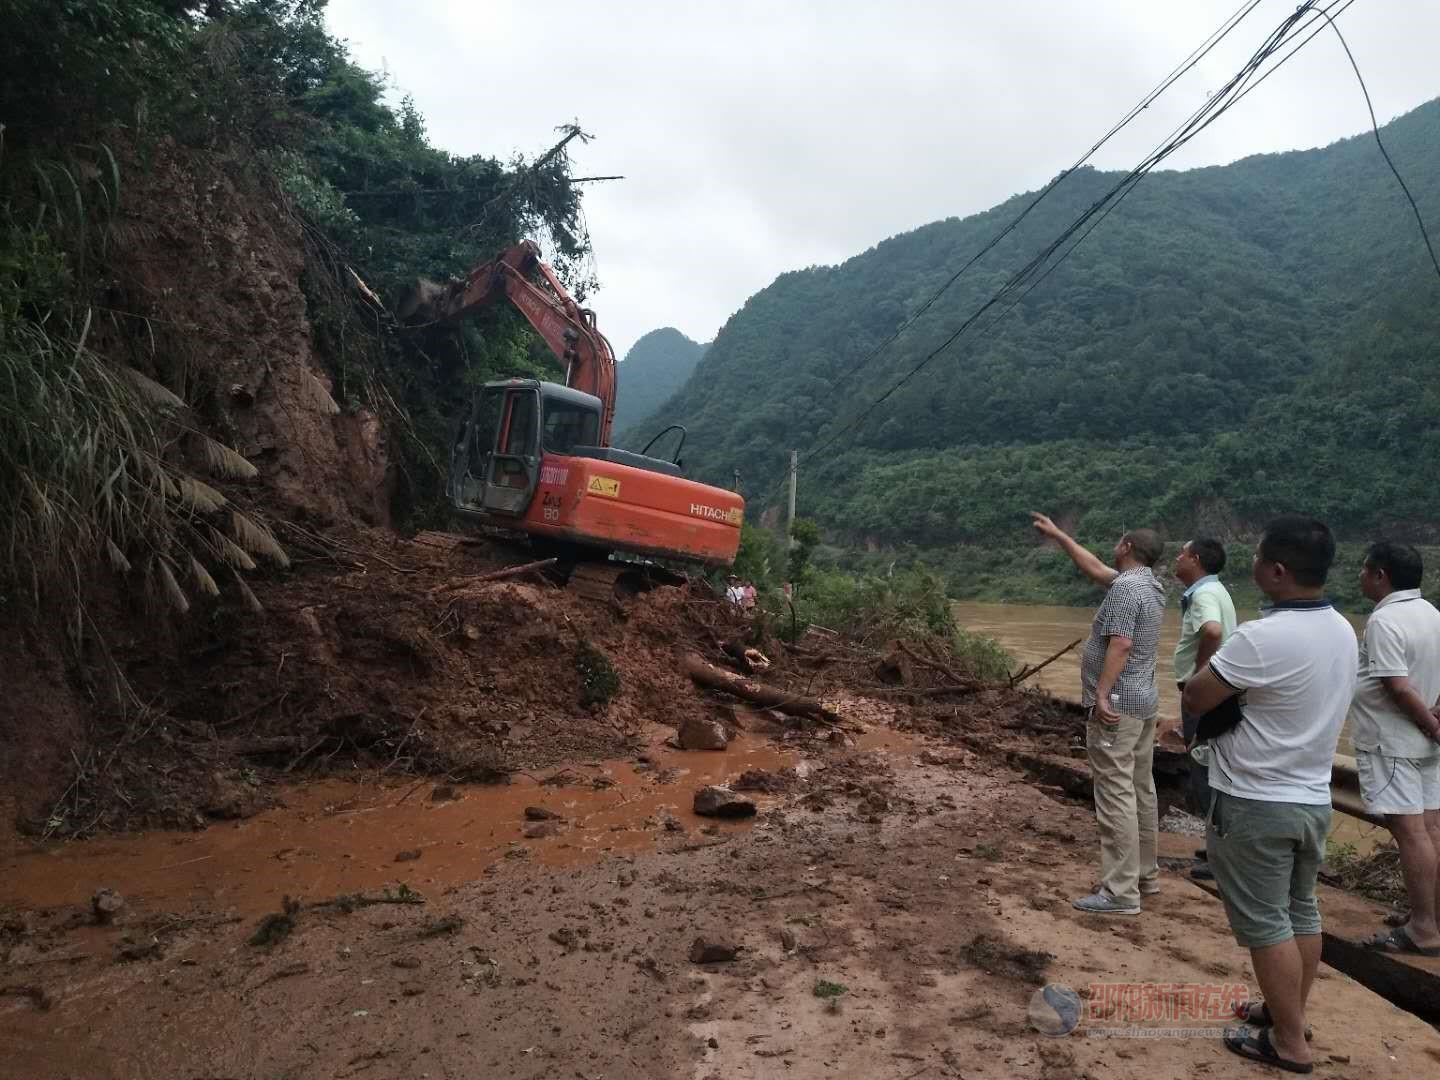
{"x":1266,"y":857}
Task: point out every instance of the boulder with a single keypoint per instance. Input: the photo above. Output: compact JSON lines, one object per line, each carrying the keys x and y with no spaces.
{"x":699,"y":733}
{"x":230,"y":797}
{"x":721,"y":802}
{"x":106,"y":904}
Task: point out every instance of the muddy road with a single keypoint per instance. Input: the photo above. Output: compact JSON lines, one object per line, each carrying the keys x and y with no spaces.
{"x":895,"y":909}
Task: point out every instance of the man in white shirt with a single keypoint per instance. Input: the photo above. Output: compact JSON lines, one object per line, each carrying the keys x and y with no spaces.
{"x":733,"y":591}
{"x":1270,"y":812}
{"x":1396,"y":736}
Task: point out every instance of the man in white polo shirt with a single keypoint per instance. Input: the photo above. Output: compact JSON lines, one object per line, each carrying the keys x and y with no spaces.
{"x":1270,"y":772}
{"x":1396,"y":737}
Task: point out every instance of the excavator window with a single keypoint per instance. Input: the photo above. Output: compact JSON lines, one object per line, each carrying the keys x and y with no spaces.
{"x":483,"y":426}
{"x":519,"y":435}
{"x":568,"y":425}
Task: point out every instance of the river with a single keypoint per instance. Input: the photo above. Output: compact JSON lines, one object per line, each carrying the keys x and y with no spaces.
{"x":1031,"y":632}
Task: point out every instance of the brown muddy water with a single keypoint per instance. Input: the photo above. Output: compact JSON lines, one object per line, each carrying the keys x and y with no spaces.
{"x":331,"y":837}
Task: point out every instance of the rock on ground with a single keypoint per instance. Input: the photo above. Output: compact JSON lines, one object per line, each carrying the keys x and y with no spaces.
{"x":698,"y":733}
{"x":717,"y":801}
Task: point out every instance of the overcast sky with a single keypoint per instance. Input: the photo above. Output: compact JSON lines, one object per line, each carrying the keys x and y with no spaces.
{"x":761,"y":137}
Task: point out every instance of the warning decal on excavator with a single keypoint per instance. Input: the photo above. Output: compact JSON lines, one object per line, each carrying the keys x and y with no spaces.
{"x":604,"y":485}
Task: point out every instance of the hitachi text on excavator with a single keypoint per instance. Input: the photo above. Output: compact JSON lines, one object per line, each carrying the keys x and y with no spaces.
{"x":536,"y":457}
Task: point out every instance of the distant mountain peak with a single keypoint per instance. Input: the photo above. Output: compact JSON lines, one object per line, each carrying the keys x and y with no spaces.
{"x":656,"y":366}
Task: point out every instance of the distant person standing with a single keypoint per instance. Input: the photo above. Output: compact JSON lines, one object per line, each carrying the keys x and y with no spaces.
{"x":734,"y":591}
{"x":1270,"y":772}
{"x":1396,"y":736}
{"x":1207,"y":619}
{"x":1117,"y":686}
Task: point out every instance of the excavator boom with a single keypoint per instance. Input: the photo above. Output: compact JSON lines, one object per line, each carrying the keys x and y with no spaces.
{"x":563,"y":324}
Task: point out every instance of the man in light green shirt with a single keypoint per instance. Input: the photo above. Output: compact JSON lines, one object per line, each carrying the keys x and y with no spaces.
{"x":1207,"y":619}
{"x":1207,"y":614}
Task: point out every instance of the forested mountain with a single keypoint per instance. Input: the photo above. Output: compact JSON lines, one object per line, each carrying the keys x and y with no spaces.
{"x":655,"y":367}
{"x":1231,"y":343}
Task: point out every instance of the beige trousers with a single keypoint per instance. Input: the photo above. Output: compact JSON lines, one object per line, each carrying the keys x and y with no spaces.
{"x":1125,"y":807}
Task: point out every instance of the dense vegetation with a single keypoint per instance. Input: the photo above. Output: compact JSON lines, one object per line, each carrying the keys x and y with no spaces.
{"x":1232,"y":343}
{"x":873,"y":608}
{"x":100,"y":458}
{"x":655,"y":367}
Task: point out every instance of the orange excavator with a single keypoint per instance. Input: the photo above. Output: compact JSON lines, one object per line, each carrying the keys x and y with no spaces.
{"x":535,"y":457}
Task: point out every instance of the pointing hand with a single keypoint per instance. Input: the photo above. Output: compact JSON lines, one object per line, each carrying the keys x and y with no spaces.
{"x":1044,"y":526}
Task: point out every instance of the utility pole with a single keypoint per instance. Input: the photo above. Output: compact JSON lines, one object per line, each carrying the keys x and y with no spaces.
{"x":790,"y":521}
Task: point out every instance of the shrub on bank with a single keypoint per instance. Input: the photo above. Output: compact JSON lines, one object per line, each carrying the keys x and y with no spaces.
{"x":908,"y":604}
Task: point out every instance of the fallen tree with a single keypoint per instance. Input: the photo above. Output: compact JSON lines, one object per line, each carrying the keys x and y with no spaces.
{"x":768,"y":697}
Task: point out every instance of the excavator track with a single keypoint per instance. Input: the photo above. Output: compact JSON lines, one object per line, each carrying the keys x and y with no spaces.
{"x":612,"y":582}
{"x":594,"y":578}
{"x":598,"y":581}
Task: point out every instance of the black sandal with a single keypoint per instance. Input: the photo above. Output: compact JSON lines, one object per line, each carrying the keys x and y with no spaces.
{"x":1400,"y":941}
{"x":1259,"y":1048}
{"x":1257,"y":1014}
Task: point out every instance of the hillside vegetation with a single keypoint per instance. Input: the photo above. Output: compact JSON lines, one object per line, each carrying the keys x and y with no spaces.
{"x":207,"y":213}
{"x":1232,"y":343}
{"x":176,"y":178}
{"x":655,"y":367}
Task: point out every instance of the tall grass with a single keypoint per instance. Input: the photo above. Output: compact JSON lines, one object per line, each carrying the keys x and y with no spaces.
{"x":92,"y":472}
{"x":98,"y":462}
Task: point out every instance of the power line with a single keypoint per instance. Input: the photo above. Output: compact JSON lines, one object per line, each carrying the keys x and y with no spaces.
{"x":1216,"y":106}
{"x":1316,"y":22}
{"x":1180,"y":69}
{"x":1375,"y":127}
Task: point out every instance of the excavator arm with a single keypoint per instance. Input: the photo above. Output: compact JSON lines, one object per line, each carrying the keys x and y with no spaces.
{"x":567,"y":328}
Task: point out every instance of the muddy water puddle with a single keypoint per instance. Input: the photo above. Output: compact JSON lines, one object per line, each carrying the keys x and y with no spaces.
{"x":334,"y":836}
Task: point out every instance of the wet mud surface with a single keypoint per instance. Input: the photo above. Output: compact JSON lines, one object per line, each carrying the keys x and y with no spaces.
{"x":891,"y":916}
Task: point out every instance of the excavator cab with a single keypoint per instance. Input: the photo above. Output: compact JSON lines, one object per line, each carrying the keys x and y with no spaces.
{"x":495,"y":465}
{"x":496,"y":460}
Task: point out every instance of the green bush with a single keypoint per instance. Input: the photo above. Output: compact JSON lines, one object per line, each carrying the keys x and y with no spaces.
{"x":906,"y":604}
{"x":599,"y":681}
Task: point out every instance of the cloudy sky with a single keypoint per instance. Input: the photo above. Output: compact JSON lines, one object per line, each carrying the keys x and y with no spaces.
{"x":761,"y":137}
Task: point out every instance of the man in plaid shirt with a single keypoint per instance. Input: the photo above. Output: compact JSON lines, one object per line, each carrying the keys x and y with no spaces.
{"x":1117,"y":676}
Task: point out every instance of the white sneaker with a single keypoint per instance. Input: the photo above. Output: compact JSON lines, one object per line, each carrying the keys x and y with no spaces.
{"x":1150,"y":888}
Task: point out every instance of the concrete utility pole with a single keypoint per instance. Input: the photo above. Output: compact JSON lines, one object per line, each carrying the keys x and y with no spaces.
{"x":790,"y":521}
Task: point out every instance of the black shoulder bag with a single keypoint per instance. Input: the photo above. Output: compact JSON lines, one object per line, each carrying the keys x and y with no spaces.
{"x":1219,"y":720}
